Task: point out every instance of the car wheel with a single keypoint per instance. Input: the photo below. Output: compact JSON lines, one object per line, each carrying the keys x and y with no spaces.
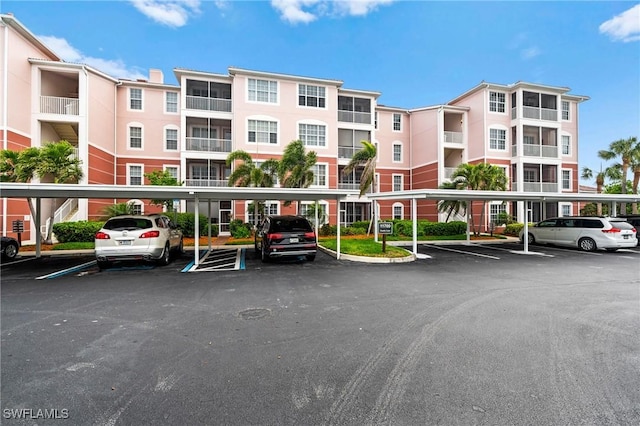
{"x":103,"y":264}
{"x":264,"y":256}
{"x":180,"y":250}
{"x":531,"y":238}
{"x":311,"y":257}
{"x":11,"y":250}
{"x":587,"y":244}
{"x":166,"y":255}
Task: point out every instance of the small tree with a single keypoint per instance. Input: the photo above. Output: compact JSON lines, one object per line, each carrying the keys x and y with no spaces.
{"x":296,"y":167}
{"x":162,"y":178}
{"x":117,"y":210}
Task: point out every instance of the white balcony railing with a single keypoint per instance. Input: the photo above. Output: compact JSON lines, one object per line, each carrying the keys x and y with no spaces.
{"x":208,"y":104}
{"x":208,"y":145}
{"x":59,"y":105}
{"x":453,"y":137}
{"x":354,"y":117}
{"x":207,"y":182}
{"x":347,"y":151}
{"x":537,"y":113}
{"x":536,"y":186}
{"x":534,"y":150}
{"x":349,"y":186}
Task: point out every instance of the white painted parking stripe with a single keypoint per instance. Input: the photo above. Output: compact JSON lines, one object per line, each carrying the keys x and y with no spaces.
{"x":219,"y":260}
{"x":492,"y":247}
{"x":67,"y":271}
{"x":462,"y":251}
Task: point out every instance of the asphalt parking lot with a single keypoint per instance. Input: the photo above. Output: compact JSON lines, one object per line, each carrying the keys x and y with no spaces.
{"x":473,"y":334}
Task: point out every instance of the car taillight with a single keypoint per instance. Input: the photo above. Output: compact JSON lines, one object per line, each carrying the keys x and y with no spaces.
{"x":611,"y":231}
{"x":309,"y":234}
{"x":150,"y":234}
{"x":102,"y":236}
{"x":275,"y":236}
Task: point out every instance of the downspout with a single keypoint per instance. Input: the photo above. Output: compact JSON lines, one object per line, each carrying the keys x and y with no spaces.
{"x":5,"y":118}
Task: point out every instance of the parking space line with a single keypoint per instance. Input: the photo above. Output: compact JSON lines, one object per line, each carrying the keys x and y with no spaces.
{"x":67,"y":271}
{"x":218,"y":260}
{"x":492,"y":247}
{"x":462,"y":251}
{"x":13,"y":262}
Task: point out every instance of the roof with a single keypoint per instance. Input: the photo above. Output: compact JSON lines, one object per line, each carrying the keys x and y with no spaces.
{"x":520,"y":84}
{"x":12,"y":22}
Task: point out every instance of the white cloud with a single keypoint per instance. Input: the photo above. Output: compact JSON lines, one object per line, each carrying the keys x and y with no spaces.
{"x":68,"y":53}
{"x":305,"y":11}
{"x":173,"y":13}
{"x":530,"y":52}
{"x":624,"y":27}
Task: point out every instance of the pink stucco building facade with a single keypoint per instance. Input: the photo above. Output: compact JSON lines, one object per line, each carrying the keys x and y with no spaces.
{"x":122,"y":129}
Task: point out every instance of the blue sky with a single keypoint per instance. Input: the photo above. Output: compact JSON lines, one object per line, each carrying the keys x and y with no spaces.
{"x":416,"y":53}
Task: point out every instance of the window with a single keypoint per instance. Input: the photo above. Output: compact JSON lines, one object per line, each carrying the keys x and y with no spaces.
{"x":171,"y":102}
{"x":171,"y":139}
{"x":529,"y":140}
{"x":566,"y":145}
{"x":311,"y":96}
{"x":135,"y":137}
{"x":261,"y":131}
{"x":397,"y":122}
{"x":529,"y":175}
{"x":398,"y":211}
{"x":498,"y":139}
{"x":172,"y":170}
{"x":269,"y":208}
{"x":308,"y":210}
{"x":134,"y":174}
{"x":319,"y":175}
{"x":566,"y":209}
{"x":496,"y":102}
{"x":397,"y":153}
{"x":565,"y":110}
{"x":495,"y":208}
{"x":313,"y":134}
{"x":397,"y":183}
{"x":135,"y":99}
{"x":137,"y":207}
{"x":566,"y":179}
{"x":263,"y":91}
{"x":258,"y":164}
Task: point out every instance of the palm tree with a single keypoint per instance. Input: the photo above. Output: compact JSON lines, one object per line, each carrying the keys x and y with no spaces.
{"x":623,"y":149}
{"x":451,"y":206}
{"x":118,"y":209}
{"x":248,"y":174}
{"x":479,"y":177}
{"x":296,"y":167}
{"x":635,"y":168}
{"x":365,"y":158}
{"x":587,"y":174}
{"x":19,"y":167}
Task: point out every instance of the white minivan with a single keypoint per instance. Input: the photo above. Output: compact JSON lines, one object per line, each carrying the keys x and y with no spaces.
{"x":585,"y":232}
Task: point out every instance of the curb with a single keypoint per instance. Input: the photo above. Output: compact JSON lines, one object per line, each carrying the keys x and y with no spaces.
{"x":366,"y":259}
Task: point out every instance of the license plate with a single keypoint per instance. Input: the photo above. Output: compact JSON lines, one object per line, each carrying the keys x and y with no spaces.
{"x":125,"y":242}
{"x":293,"y":240}
{"x":626,"y":237}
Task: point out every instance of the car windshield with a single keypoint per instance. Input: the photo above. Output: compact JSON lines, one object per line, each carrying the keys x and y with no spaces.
{"x":290,"y":225}
{"x":128,"y":223}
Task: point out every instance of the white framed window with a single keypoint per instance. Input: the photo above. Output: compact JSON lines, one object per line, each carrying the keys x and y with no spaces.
{"x":377,"y":183}
{"x":529,"y":140}
{"x":530,"y":175}
{"x":258,"y":163}
{"x":262,"y":131}
{"x":566,"y":209}
{"x":566,"y":145}
{"x":135,"y":173}
{"x":135,"y":136}
{"x":397,"y":122}
{"x":171,"y":102}
{"x":171,"y":139}
{"x":397,"y":152}
{"x":398,"y":210}
{"x":270,"y":208}
{"x":495,"y":208}
{"x":262,"y":91}
{"x":496,"y":102}
{"x":173,"y":171}
{"x":398,"y":182}
{"x":498,"y":139}
{"x":314,"y":135}
{"x":312,"y":96}
{"x":307,"y":210}
{"x":565,"y":111}
{"x":566,"y":178}
{"x":137,"y":206}
{"x":320,"y":174}
{"x":135,"y":99}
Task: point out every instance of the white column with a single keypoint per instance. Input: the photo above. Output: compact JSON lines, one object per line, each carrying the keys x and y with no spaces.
{"x":338,"y":232}
{"x":414,"y":219}
{"x":196,"y":224}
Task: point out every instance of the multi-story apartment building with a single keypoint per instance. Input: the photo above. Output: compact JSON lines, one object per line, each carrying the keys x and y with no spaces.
{"x":123,"y":129}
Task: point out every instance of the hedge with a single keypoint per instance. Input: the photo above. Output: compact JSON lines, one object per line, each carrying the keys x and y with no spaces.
{"x":76,"y":232}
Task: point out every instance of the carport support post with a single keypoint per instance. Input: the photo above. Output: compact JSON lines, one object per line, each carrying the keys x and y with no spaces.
{"x":468,"y":222}
{"x":38,"y":232}
{"x":338,"y":232}
{"x":522,"y":207}
{"x":414,"y":219}
{"x":196,"y":225}
{"x":209,"y":226}
{"x":614,"y":209}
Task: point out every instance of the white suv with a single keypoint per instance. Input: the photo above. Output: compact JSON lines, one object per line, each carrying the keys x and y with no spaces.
{"x":149,"y":238}
{"x":585,"y":232}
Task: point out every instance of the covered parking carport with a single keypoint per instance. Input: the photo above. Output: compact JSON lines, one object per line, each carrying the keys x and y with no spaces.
{"x":520,"y":197}
{"x":39,"y":191}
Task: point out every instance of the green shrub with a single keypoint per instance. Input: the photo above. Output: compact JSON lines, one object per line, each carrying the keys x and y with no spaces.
{"x":361,"y":224}
{"x":214,"y":230}
{"x":513,"y":229}
{"x":239,"y":229}
{"x":77,"y":232}
{"x":327,"y":230}
{"x":186,"y":222}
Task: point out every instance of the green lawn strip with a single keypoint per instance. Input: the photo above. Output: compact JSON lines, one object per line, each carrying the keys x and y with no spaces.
{"x":74,"y":246}
{"x":363,"y":247}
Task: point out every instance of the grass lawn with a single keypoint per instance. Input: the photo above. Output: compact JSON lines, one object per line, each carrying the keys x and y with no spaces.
{"x":362,"y":247}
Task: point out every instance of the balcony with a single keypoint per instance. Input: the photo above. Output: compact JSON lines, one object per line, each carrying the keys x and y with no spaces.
{"x":208,"y":104}
{"x":59,"y":105}
{"x":347,"y":151}
{"x":208,"y":145}
{"x":535,"y":150}
{"x":349,"y":186}
{"x":207,"y":182}
{"x":453,"y":137}
{"x":354,"y":117}
{"x":536,"y":187}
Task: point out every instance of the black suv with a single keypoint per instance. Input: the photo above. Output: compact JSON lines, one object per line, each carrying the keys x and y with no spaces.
{"x":633,"y":219}
{"x":285,"y":236}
